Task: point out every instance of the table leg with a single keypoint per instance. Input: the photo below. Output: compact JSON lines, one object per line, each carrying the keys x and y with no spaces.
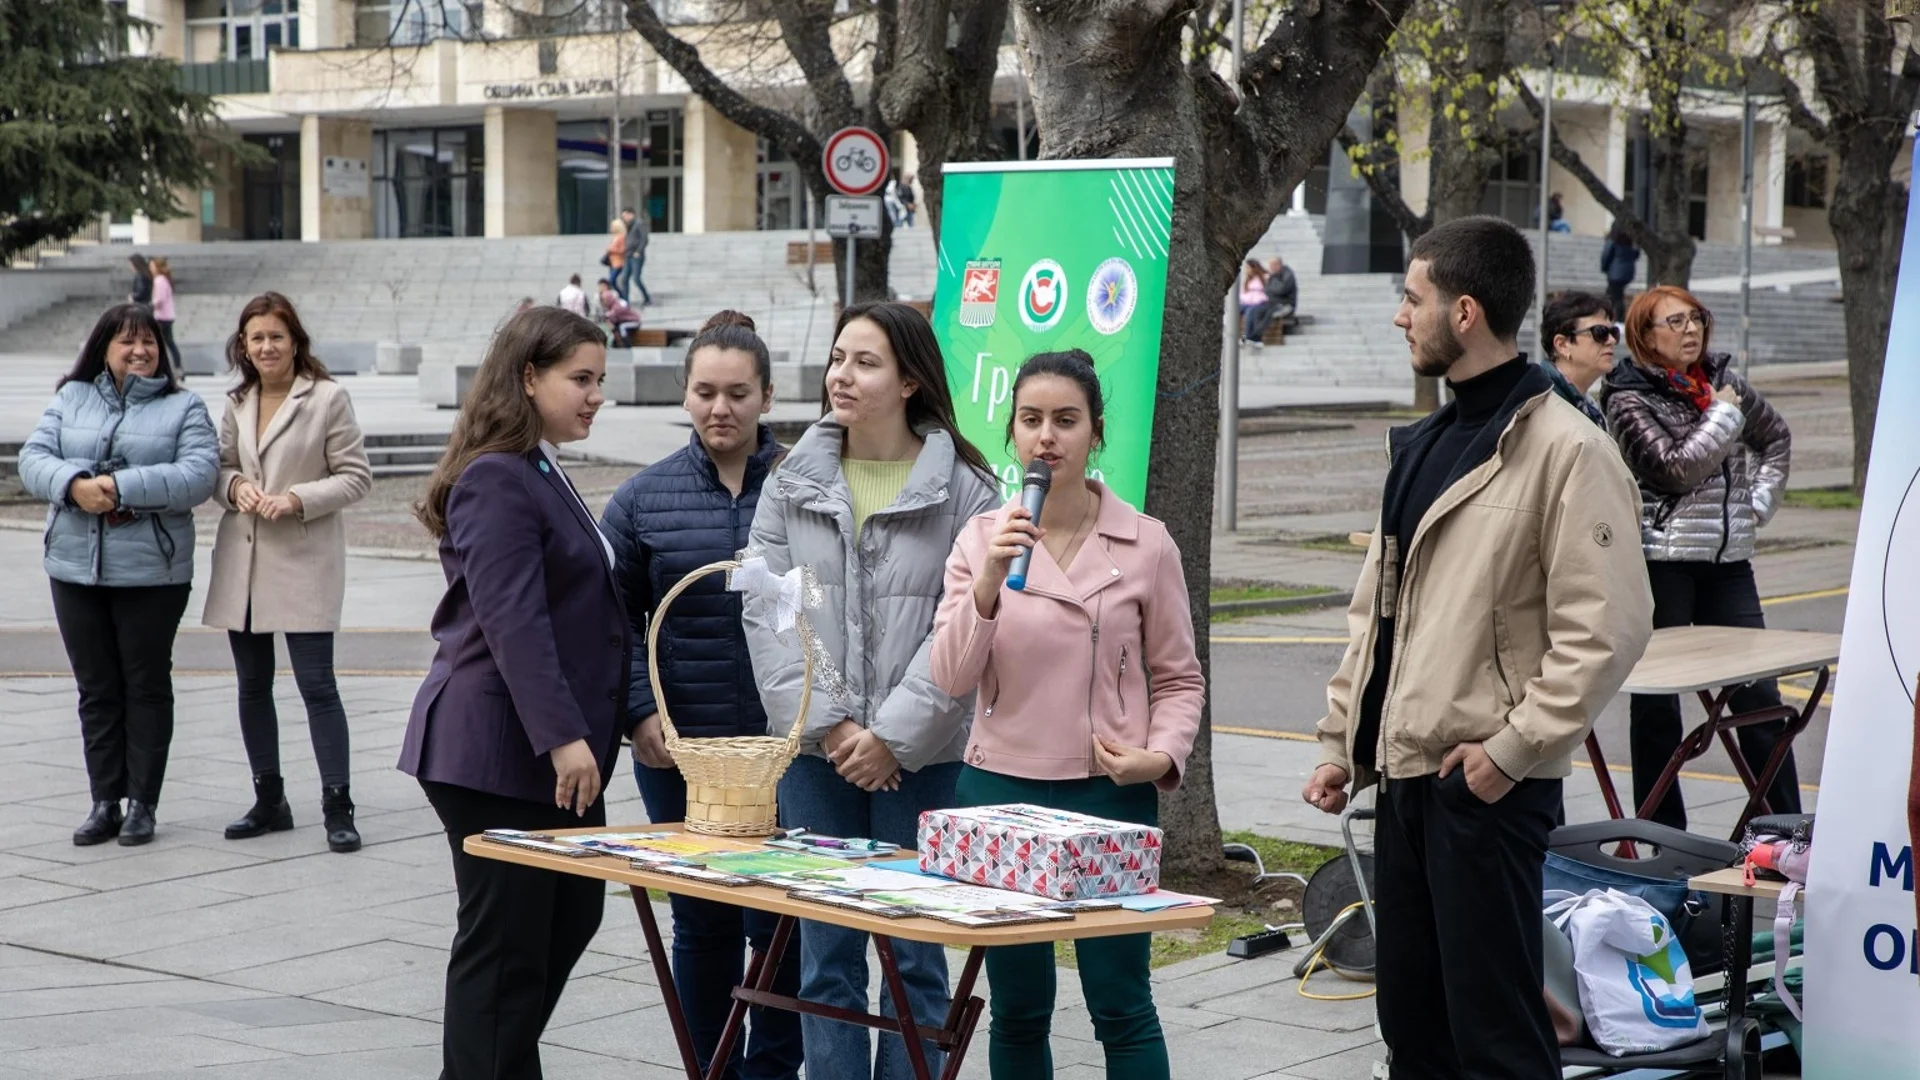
{"x":1743,"y":1034}
{"x":663,"y":971}
{"x":1604,"y":777}
{"x":1797,"y":723}
{"x":760,"y":974}
{"x":964,"y":1014}
{"x":903,"y":1010}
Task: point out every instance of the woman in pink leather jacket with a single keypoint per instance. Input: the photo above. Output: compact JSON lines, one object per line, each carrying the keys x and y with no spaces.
{"x":1064,"y":715}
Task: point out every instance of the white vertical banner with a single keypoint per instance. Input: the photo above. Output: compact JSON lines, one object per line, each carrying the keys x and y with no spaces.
{"x":1863,"y":956}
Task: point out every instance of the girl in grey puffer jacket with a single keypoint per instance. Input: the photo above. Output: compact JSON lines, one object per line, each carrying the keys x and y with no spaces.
{"x":1711,"y":456}
{"x":871,"y":499}
{"x":122,"y":456}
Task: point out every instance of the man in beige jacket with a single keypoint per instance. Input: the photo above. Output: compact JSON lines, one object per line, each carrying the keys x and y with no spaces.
{"x":1503,"y":601}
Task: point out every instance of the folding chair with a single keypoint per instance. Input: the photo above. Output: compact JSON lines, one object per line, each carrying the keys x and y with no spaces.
{"x":1732,"y":1049}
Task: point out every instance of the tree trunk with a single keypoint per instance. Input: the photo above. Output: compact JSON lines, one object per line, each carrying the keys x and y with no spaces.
{"x":1109,"y":83}
{"x":943,"y":93}
{"x":1869,"y":220}
{"x":1671,"y":260}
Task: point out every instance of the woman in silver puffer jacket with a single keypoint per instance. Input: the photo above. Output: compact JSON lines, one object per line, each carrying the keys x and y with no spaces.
{"x":1711,"y":457}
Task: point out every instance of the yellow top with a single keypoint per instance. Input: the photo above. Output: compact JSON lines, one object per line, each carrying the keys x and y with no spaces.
{"x":875,"y":484}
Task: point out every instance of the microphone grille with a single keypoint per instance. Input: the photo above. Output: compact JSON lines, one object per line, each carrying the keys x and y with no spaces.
{"x":1039,"y":474}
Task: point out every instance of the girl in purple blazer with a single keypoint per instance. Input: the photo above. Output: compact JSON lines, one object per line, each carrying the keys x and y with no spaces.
{"x":519,"y":721}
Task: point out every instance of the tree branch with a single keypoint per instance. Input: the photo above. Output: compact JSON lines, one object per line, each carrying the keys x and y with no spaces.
{"x":1570,"y":160}
{"x":807,"y":28}
{"x":1798,"y":114}
{"x":1412,"y":225}
{"x":777,"y":127}
{"x":1834,"y":76}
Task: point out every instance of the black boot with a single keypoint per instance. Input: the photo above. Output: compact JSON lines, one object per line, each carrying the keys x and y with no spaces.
{"x":139,"y":827}
{"x":338,"y":807}
{"x":270,"y":812}
{"x":102,"y":824}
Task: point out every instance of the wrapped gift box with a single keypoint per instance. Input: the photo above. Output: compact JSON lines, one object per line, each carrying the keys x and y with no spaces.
{"x":1033,"y":849}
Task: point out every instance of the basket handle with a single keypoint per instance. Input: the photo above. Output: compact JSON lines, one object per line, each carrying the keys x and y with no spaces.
{"x":653,"y":659}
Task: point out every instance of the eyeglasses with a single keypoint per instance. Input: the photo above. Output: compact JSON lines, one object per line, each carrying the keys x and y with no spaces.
{"x":1679,"y":323}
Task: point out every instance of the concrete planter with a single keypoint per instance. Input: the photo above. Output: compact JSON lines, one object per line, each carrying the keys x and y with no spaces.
{"x":446,"y":385}
{"x":393,"y":358}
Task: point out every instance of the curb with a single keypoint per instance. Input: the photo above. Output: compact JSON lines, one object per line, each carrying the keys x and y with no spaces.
{"x":1287,"y":605}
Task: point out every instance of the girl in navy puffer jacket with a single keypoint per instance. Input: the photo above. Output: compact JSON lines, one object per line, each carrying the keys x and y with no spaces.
{"x":122,"y":456}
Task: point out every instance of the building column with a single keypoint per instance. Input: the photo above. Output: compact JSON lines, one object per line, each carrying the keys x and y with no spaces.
{"x":180,"y":230}
{"x":336,"y":198}
{"x":717,"y":189}
{"x":1618,"y":147}
{"x":1770,"y":179}
{"x":522,"y":172}
{"x":169,"y":31}
{"x":326,"y":24}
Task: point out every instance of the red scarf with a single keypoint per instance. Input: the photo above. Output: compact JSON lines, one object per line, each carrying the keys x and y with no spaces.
{"x":1693,"y":384}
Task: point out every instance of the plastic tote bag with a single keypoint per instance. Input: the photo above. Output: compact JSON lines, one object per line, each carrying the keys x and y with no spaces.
{"x":1636,"y":987}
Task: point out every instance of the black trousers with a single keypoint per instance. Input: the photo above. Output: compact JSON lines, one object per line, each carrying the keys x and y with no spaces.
{"x":312,"y":657}
{"x":520,"y":931}
{"x":1705,"y":594}
{"x":1617,"y":299}
{"x":1458,"y":906}
{"x":120,"y":644}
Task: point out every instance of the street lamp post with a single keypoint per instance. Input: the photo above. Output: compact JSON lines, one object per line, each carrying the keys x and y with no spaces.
{"x":1546,"y":163}
{"x":1228,"y":500}
{"x":1746,"y":228}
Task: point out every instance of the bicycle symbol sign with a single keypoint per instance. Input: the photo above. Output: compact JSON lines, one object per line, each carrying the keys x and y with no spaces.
{"x":856,"y":161}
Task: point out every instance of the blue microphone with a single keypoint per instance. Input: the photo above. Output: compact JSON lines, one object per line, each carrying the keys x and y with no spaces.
{"x":1033,"y":495}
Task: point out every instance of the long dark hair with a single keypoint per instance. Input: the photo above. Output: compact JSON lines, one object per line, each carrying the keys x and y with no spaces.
{"x":497,"y":416}
{"x":921,"y":363}
{"x":729,"y":329}
{"x":1074,"y":364}
{"x":115,"y":321}
{"x":304,"y":362}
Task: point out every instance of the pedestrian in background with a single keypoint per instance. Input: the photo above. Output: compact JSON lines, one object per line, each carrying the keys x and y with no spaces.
{"x":142,"y":279}
{"x":122,"y":456}
{"x":1105,"y":594}
{"x":1499,"y":608}
{"x":1577,"y":334}
{"x":1619,"y":260}
{"x":909,"y":202}
{"x":1283,"y":296}
{"x":1557,"y":215}
{"x":615,"y":257}
{"x":1711,"y":455}
{"x":163,"y":313}
{"x":1253,"y":298}
{"x":573,"y":298}
{"x":518,"y":723}
{"x":291,"y":458}
{"x":871,"y":497}
{"x":622,"y":320}
{"x":689,"y":509}
{"x":638,"y":231}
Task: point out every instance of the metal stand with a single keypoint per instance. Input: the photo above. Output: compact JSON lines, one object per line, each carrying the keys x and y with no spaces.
{"x":1347,"y":818}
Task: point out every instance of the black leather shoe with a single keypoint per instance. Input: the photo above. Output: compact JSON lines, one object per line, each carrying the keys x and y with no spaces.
{"x":102,"y":824}
{"x":139,"y":827}
{"x":338,"y":807}
{"x":270,"y":812}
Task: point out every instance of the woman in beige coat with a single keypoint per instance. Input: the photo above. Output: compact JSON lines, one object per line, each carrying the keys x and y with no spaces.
{"x":291,"y":458}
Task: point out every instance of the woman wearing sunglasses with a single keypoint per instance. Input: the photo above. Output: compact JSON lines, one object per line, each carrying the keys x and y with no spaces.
{"x":1577,"y":335}
{"x":1711,"y":457}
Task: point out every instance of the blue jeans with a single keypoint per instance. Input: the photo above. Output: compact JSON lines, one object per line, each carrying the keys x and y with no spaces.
{"x":630,"y":276}
{"x":833,"y":960}
{"x":708,"y":962}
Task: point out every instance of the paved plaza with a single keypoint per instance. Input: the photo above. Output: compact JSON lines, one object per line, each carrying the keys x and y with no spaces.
{"x":273,"y":959}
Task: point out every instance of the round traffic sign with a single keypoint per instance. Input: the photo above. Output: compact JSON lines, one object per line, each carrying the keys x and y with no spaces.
{"x":856,"y":161}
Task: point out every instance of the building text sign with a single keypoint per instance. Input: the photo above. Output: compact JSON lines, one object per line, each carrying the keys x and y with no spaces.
{"x":545,"y":89}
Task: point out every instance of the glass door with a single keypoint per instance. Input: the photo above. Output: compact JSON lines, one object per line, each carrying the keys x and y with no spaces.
{"x":255,"y":26}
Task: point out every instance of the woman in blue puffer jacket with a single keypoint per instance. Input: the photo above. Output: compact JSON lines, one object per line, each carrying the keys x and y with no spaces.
{"x":122,"y":456}
{"x":686,"y":510}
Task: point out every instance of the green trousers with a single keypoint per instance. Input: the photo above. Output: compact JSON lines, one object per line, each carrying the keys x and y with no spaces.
{"x":1114,"y":975}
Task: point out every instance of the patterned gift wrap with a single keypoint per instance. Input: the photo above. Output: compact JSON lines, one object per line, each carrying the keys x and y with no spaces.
{"x":1032,"y":849}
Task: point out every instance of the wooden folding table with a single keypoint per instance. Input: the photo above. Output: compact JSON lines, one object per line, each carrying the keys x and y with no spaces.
{"x":952,"y":1037}
{"x":1714,"y":662}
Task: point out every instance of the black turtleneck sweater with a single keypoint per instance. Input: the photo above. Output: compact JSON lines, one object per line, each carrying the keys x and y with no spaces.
{"x":1476,"y":401}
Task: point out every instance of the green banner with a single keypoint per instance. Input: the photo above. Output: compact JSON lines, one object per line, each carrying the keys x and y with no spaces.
{"x":1042,"y":256}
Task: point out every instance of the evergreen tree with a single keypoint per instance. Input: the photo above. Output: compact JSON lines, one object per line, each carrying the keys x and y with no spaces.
{"x":86,"y":129}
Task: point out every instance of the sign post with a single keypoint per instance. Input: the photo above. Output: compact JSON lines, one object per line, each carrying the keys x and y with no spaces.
{"x":1042,"y":256}
{"x":856,"y":162}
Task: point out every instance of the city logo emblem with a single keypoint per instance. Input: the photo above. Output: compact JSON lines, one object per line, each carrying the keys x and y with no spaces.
{"x":1043,"y":295}
{"x":979,"y":292}
{"x":1111,"y":296}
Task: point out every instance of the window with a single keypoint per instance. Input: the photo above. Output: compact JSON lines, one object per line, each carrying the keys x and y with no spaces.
{"x":1807,"y":181}
{"x":429,"y":182}
{"x":220,"y":30}
{"x":414,"y":22}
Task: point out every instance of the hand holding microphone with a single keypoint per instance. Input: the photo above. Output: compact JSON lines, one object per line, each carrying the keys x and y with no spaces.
{"x":1011,"y":549}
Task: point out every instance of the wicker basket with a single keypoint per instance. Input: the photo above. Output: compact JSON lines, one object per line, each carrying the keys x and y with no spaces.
{"x":731,"y":781}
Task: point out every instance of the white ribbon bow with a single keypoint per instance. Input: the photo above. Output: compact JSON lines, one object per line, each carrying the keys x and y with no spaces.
{"x":754,"y":581}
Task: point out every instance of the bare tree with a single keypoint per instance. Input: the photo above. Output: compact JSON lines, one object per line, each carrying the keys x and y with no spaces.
{"x":941,"y":87}
{"x":1865,"y":74}
{"x":1114,"y":79}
